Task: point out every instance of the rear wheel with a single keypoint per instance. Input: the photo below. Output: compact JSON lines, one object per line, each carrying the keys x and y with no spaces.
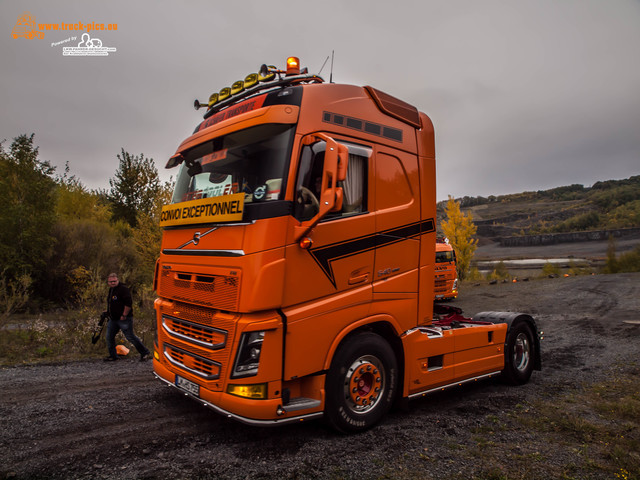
{"x":361,"y":383}
{"x":519,"y":354}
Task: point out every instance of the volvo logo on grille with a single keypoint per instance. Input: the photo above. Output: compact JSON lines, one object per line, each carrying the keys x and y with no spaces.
{"x":196,"y":238}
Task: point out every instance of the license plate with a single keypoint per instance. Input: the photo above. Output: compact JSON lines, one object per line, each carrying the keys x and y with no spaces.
{"x":188,"y":385}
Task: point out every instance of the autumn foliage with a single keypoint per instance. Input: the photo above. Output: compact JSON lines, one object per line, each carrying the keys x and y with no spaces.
{"x":460,"y":229}
{"x":59,"y":240}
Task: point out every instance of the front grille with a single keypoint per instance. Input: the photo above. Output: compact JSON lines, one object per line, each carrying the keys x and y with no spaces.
{"x":215,"y":291}
{"x":440,"y":284}
{"x":198,"y":340}
{"x":200,"y":366}
{"x":192,"y":332}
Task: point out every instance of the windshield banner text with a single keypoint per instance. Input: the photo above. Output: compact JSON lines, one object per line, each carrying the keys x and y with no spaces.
{"x":227,"y":208}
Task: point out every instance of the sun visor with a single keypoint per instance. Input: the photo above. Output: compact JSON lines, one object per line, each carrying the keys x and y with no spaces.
{"x":395,"y":107}
{"x":174,"y":161}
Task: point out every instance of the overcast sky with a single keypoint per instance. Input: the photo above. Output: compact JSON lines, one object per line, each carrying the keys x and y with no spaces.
{"x":524,"y":95}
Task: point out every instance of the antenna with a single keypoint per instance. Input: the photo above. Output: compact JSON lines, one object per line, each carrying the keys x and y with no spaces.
{"x":325,"y":62}
{"x":331,"y":75}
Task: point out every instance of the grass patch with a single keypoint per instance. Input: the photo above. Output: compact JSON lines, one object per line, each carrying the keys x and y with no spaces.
{"x":600,"y":423}
{"x":63,"y":336}
{"x":589,"y":431}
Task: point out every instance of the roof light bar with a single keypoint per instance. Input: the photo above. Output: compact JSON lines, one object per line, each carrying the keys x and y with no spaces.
{"x":264,"y":78}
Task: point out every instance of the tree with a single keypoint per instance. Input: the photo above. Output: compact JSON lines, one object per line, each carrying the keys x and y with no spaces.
{"x":135,"y":188}
{"x":27,"y":196}
{"x":147,"y":235}
{"x":612,"y":262}
{"x":460,"y":229}
{"x":75,"y":202}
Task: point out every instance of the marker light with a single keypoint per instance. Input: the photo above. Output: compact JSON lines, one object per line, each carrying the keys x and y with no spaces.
{"x":293,"y":66}
{"x":213,"y":99}
{"x":305,"y":243}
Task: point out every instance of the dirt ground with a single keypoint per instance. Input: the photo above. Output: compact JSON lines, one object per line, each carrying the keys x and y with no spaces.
{"x":116,"y":421}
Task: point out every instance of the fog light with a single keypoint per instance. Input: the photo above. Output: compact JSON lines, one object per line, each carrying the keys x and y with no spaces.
{"x":255,"y":392}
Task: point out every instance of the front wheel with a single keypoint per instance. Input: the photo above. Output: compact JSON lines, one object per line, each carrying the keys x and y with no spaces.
{"x":519,"y":354}
{"x":361,"y":383}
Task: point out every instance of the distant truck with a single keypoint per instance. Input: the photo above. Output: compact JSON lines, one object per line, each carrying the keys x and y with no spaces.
{"x":26,"y":27}
{"x":446,"y":275}
{"x":296,"y":272}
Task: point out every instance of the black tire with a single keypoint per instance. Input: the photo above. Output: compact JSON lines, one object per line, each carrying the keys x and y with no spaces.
{"x":361,"y":384}
{"x":519,"y":355}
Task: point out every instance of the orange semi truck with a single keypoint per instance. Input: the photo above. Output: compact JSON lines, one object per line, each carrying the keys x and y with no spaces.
{"x":296,"y":273}
{"x":446,"y":276}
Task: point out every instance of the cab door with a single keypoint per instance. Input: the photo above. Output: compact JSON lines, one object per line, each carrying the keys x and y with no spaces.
{"x":328,"y":284}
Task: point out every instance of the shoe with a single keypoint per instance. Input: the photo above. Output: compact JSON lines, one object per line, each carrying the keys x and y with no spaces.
{"x":110,"y":359}
{"x":143,"y":356}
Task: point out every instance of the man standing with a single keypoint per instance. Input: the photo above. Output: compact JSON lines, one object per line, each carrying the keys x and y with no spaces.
{"x":120,"y":314}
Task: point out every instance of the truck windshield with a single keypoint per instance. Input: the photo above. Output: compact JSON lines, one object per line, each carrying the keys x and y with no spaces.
{"x":252,"y":161}
{"x":444,"y":257}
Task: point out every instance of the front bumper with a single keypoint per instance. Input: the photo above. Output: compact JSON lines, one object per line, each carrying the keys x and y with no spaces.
{"x":251,"y":412}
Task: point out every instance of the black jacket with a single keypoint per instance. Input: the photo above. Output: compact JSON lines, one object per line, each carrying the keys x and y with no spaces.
{"x":119,"y":297}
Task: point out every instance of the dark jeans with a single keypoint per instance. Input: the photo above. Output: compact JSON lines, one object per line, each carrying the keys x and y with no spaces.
{"x":114,"y":326}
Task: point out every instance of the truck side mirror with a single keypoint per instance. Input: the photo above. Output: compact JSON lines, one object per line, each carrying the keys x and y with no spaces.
{"x":336,"y":162}
{"x":337,"y":207}
{"x":343,"y":162}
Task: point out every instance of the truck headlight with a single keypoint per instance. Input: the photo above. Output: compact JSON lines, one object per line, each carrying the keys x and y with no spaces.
{"x":248,"y":356}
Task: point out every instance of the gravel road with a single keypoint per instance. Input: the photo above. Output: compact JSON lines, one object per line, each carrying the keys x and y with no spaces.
{"x":116,"y":421}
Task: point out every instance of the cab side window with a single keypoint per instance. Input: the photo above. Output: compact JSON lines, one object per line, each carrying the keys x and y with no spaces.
{"x":310,"y":180}
{"x":355,"y":185}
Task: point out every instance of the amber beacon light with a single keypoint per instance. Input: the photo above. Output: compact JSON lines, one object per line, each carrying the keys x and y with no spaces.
{"x":293,"y":66}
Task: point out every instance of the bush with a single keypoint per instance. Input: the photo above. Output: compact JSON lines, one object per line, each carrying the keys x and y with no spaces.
{"x":14,"y":293}
{"x":474,"y":275}
{"x":627,"y":215}
{"x":586,"y":221}
{"x":86,"y":251}
{"x":549,"y":269}
{"x":499,"y":273}
{"x":630,"y":261}
{"x":575,"y":269}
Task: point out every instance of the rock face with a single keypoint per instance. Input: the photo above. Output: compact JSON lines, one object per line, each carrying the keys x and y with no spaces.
{"x":570,"y":237}
{"x":507,"y":236}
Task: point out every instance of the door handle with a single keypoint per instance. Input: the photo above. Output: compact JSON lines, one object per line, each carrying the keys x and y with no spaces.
{"x":355,"y":279}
